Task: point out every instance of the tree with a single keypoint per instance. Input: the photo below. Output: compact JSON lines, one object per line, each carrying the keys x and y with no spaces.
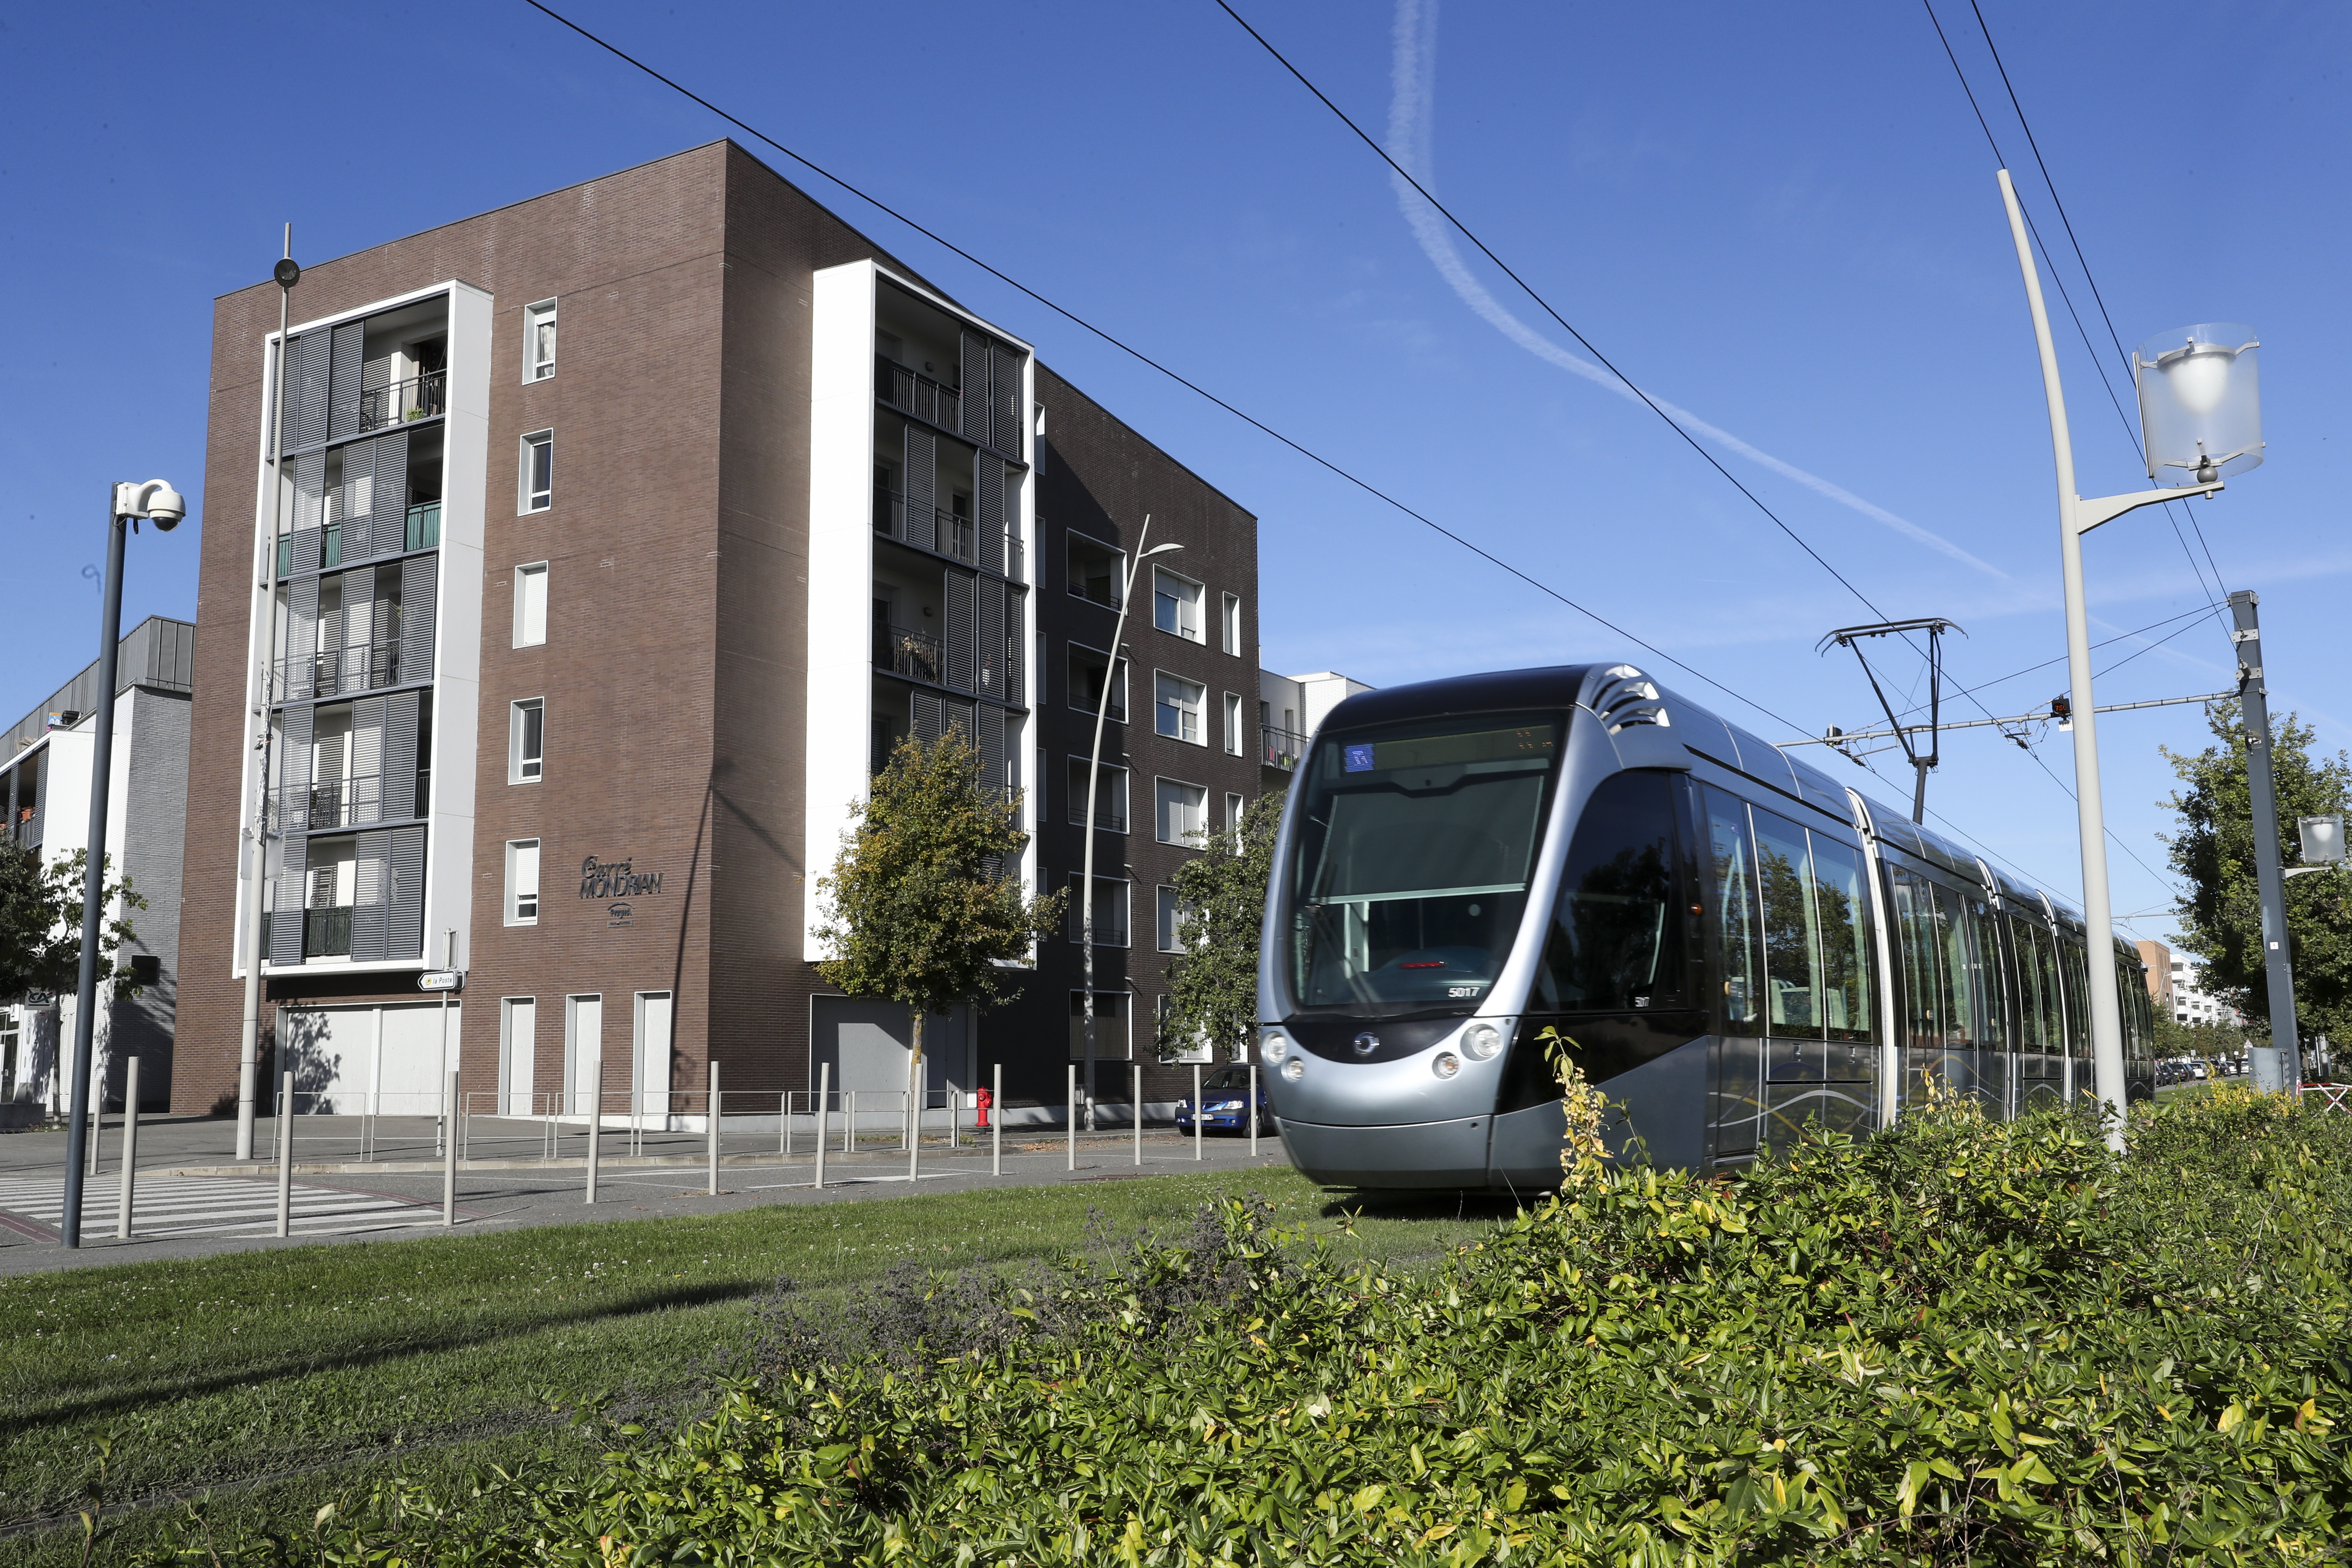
{"x":2220,"y":915}
{"x":1212,"y":988}
{"x":40,"y":923}
{"x":925,"y":900}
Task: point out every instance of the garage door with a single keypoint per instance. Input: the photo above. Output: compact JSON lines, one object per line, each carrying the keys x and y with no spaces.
{"x":339,"y":1054}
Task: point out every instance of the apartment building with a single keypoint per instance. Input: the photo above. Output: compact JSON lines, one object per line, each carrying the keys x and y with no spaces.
{"x":46,"y":765}
{"x":1290,"y":709}
{"x":625,"y":530}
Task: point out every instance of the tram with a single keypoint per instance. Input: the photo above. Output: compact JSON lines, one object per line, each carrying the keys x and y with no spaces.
{"x":1735,"y":944}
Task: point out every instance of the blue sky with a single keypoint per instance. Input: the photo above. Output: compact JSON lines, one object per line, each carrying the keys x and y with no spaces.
{"x":1780,"y":219}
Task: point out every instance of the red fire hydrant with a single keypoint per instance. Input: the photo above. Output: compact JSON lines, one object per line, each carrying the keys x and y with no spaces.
{"x":987,"y":1098}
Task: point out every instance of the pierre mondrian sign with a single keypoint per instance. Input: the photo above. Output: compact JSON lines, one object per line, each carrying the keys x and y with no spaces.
{"x":615,"y":879}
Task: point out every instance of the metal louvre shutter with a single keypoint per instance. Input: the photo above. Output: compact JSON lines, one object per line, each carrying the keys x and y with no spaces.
{"x":297,"y":660}
{"x":365,"y":770}
{"x":309,"y":476}
{"x":922,"y":481}
{"x":287,"y":820}
{"x":285,"y":917}
{"x":991,"y":740}
{"x":959,"y":715}
{"x":306,"y":390}
{"x":371,"y":885}
{"x":1015,"y":676}
{"x":975,"y":386}
{"x":1004,"y":402}
{"x":958,"y":592}
{"x":419,"y":574}
{"x":988,"y":500}
{"x":398,"y":759}
{"x":928,"y":712}
{"x":344,"y":389}
{"x":404,"y":899}
{"x":989,"y":640}
{"x":357,"y":627}
{"x":387,"y":512}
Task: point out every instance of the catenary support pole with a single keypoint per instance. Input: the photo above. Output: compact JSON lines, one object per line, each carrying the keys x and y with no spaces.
{"x":996,"y":1124}
{"x":1199,"y":1113}
{"x":256,"y":723}
{"x":449,"y":1156}
{"x":2279,"y":1068}
{"x":823,"y":1094}
{"x":285,"y":1153}
{"x":2098,"y":911}
{"x":129,"y":1147}
{"x":595,"y":1116}
{"x":715,"y":1104}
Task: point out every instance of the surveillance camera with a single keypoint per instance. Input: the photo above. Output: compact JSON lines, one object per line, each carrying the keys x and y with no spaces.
{"x":165,"y":506}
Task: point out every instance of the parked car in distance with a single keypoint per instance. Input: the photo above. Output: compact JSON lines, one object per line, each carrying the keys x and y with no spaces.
{"x":1224,"y":1094}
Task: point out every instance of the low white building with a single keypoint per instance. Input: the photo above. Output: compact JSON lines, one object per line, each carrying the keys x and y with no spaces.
{"x":45,"y":779}
{"x":1291,"y":708}
{"x":2191,"y":1004}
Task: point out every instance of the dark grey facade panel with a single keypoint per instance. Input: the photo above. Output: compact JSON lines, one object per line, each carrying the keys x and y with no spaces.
{"x":988,"y":502}
{"x":1005,"y":431}
{"x":988,"y":640}
{"x":958,"y":592}
{"x":975,"y":398}
{"x":929,"y":716}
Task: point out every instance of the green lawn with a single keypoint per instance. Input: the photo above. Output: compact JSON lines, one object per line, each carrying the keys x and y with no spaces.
{"x":278,"y":1377}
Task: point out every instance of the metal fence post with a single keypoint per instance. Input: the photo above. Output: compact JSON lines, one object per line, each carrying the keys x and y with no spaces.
{"x":824,"y":1093}
{"x":595,"y":1116}
{"x":1071,"y":1121}
{"x":1137,"y":1073}
{"x":130,"y":1148}
{"x":714,"y":1129}
{"x":1199,"y":1113}
{"x":1252,"y":1110}
{"x":996,"y":1125}
{"x":449,"y":1165}
{"x":285,"y":1153}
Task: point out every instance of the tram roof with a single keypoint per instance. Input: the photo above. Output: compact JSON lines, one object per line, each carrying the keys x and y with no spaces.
{"x":1704,"y":733}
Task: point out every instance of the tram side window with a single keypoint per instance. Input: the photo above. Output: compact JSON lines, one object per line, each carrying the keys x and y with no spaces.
{"x":1938,"y":1004}
{"x":1844,"y":902}
{"x":1793,"y":941}
{"x":2032,"y":1016}
{"x":1733,"y":862}
{"x":1616,"y":939}
{"x":1991,"y":967}
{"x":2076,"y":977}
{"x":2054,"y":1008}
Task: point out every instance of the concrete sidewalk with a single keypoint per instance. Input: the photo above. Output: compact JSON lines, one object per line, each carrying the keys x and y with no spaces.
{"x":192,"y":1200}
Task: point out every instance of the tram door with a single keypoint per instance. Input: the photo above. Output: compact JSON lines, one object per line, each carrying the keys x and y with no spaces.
{"x":2042,"y":1020}
{"x":1954,"y":1037}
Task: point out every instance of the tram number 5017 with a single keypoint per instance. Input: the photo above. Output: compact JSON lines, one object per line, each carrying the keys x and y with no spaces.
{"x":1462,"y":991}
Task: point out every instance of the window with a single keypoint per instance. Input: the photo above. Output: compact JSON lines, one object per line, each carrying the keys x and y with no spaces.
{"x":522,"y":881}
{"x":1171,"y":924}
{"x":1110,"y":911}
{"x":1231,"y":623}
{"x":1110,"y":1014}
{"x":1096,"y":570}
{"x":1616,"y":932}
{"x":539,"y":341}
{"x":1181,"y":812}
{"x":526,"y":740}
{"x":1196,"y":1049}
{"x":1110,"y":796}
{"x":1087,"y":666}
{"x":1177,"y":707}
{"x":1176,"y":605}
{"x":1233,"y":723}
{"x":530,"y":606}
{"x":535,"y":482}
{"x":1233,"y":814}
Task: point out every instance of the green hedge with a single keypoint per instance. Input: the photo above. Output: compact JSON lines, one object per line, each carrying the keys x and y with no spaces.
{"x":1956,"y":1342}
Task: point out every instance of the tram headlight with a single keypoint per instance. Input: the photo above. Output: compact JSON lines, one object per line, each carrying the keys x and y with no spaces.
{"x":1293,"y":1070}
{"x":1481,"y":1041}
{"x":1274,"y":1044}
{"x":1445,"y":1064}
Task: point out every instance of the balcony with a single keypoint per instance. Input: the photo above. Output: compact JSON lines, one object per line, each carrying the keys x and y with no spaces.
{"x":330,"y":672}
{"x":402,"y":402}
{"x":327,"y":933}
{"x":354,"y":802}
{"x":918,"y":656}
{"x":944,"y":532}
{"x":1281,"y":748}
{"x":919,"y":395}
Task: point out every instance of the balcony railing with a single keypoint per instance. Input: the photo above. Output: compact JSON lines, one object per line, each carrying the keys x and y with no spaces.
{"x":424,"y":526}
{"x":1110,"y":816}
{"x":950,"y":533}
{"x":332,"y":671}
{"x":1282,"y":748}
{"x":327,"y":933}
{"x":336,"y":802}
{"x":1103,"y":591}
{"x":919,"y":395}
{"x":400,"y":402}
{"x":918,"y":656}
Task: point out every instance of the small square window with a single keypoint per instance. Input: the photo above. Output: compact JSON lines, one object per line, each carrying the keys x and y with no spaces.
{"x":539,"y":341}
{"x":1176,"y":703}
{"x":1181,"y":810}
{"x":1233,"y":723}
{"x":530,"y":606}
{"x":1086,"y":668}
{"x":1110,"y":796}
{"x":1231,"y":626}
{"x":535,"y":482}
{"x":1170,"y":921}
{"x":1110,"y":911}
{"x":1234,"y":813}
{"x":526,"y":740}
{"x":522,"y":881}
{"x":1095,"y":570}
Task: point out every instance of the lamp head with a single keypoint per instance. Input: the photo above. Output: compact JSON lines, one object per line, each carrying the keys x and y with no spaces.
{"x":286,"y":273}
{"x":1159,"y":550}
{"x":2199,"y":403}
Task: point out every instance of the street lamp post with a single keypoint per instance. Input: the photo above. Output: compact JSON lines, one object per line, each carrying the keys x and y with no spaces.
{"x":257,"y":723}
{"x":164,"y":506}
{"x":2198,"y":412}
{"x":1093,"y":766}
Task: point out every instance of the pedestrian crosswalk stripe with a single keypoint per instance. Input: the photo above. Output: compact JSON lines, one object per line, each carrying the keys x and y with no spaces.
{"x":211,"y":1205}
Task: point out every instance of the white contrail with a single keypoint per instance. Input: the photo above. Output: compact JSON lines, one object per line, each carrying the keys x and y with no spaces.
{"x":1414,"y":75}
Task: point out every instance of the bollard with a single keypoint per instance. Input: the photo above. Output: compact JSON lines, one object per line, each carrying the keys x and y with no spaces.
{"x":914,"y":1133}
{"x":449,"y":1160}
{"x":286,"y":1154}
{"x":1138,"y":1074}
{"x":96,"y":1113}
{"x":1199,"y":1111}
{"x":784,"y":1125}
{"x":848,"y":1119}
{"x":1073,"y":1122}
{"x":714,"y":1129}
{"x":1252,"y":1111}
{"x":595,"y":1116}
{"x":130,"y":1148}
{"x":996,"y":1125}
{"x":824,"y":1093}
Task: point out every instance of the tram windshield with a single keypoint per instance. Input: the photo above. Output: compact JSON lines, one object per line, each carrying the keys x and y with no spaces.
{"x":1409,"y":863}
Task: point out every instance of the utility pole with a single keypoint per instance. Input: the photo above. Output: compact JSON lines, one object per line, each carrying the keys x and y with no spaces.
{"x":2279,"y":1069}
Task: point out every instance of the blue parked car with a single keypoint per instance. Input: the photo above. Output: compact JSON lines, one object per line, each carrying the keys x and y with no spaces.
{"x":1224,"y":1095}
